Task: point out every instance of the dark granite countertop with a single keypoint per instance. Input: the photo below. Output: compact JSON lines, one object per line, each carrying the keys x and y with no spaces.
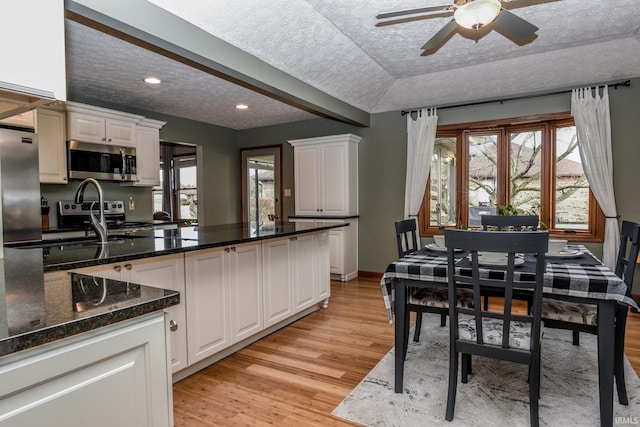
{"x":63,"y":255}
{"x":43,"y":302}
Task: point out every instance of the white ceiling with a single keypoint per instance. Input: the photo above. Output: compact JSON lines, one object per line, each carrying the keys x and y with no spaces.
{"x":334,"y":46}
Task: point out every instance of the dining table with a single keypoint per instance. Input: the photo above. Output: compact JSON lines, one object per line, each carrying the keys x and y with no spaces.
{"x":575,"y":275}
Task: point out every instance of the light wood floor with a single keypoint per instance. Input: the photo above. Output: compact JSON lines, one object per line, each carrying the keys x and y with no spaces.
{"x":298,"y":375}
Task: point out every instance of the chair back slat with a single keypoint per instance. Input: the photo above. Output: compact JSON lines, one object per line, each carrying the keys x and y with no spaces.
{"x":406,"y":237}
{"x":513,"y":244}
{"x":510,"y":222}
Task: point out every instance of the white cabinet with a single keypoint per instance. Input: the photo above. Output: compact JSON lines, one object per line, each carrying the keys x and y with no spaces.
{"x":87,"y":123}
{"x":326,"y":175}
{"x":207,"y":297}
{"x":295,"y":275}
{"x":165,"y":272}
{"x":147,"y":153}
{"x":112,"y":376}
{"x":224,"y":296}
{"x":52,"y":150}
{"x":343,"y":245}
{"x":277,"y":280}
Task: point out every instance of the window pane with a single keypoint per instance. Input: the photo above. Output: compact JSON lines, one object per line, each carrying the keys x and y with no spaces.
{"x":483,"y":158}
{"x":572,"y":189}
{"x":442,"y":191}
{"x":525,"y":156}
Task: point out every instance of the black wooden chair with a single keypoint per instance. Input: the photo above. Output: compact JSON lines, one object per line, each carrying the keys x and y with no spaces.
{"x":510,"y":222}
{"x":502,"y":334}
{"x":421,"y":300}
{"x":578,"y":318}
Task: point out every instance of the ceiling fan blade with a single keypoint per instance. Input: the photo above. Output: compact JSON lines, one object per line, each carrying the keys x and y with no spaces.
{"x":440,"y":38}
{"x":414,"y":18}
{"x":515,"y":4}
{"x":515,"y":25}
{"x":413,"y":11}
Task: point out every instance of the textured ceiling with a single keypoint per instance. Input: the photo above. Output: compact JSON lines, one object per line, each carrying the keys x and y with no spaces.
{"x":334,"y":46}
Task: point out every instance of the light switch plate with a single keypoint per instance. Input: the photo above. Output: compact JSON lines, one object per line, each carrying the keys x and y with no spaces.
{"x":287,"y":192}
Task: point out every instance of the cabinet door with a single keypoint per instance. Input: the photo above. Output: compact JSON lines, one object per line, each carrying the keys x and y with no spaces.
{"x":245,"y":290}
{"x":304,"y":271}
{"x":167,"y":272}
{"x":52,"y":149}
{"x":147,"y":156}
{"x":207,"y":297}
{"x":85,"y":127}
{"x":323,"y":275}
{"x":120,"y":133}
{"x":277,"y":280}
{"x":335,"y":180}
{"x":308,"y":181}
{"x":336,"y":249}
{"x":114,"y":376}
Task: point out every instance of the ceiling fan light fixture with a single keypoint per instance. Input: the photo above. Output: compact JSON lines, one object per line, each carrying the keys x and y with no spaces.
{"x":476,"y":13}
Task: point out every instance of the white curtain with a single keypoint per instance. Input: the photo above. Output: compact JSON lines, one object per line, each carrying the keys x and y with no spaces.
{"x":593,"y":124}
{"x":421,"y":134}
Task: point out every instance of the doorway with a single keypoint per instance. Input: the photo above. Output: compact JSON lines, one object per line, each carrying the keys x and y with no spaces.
{"x":261,"y":187}
{"x":177,"y":195}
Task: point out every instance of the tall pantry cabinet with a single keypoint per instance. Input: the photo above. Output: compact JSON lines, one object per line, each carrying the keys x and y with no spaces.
{"x":326,"y":190}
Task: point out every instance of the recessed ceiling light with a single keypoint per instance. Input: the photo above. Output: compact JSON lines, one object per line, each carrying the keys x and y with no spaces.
{"x":242,"y":106}
{"x":153,"y":80}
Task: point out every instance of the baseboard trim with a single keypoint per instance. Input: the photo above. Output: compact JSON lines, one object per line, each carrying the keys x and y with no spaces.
{"x":370,"y":274}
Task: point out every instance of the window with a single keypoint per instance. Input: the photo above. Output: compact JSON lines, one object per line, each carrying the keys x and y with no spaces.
{"x":530,"y":163}
{"x":177,"y":193}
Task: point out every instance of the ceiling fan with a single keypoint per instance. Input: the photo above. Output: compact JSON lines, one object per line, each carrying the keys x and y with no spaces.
{"x":470,"y":16}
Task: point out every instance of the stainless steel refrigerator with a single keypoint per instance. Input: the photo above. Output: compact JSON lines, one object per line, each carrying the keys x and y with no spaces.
{"x":20,"y":186}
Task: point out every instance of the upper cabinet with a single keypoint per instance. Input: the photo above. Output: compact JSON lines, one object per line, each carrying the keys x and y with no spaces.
{"x":99,"y":125}
{"x":326,"y":176}
{"x":52,"y":152}
{"x":33,"y":52}
{"x":148,"y":153}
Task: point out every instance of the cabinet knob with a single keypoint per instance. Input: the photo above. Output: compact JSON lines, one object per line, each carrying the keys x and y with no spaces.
{"x":226,"y":249}
{"x":233,"y":248}
{"x":117,"y":268}
{"x":128,"y":266}
{"x":173,"y":325}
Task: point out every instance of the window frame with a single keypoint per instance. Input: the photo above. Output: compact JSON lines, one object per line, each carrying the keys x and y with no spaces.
{"x":547,"y":123}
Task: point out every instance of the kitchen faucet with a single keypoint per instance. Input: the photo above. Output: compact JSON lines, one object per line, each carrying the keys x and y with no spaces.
{"x":100,"y":226}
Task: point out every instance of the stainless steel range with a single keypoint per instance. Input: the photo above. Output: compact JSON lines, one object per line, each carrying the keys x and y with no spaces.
{"x":72,"y":215}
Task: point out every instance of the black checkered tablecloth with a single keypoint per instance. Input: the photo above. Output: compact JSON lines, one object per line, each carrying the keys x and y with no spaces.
{"x":581,"y":277}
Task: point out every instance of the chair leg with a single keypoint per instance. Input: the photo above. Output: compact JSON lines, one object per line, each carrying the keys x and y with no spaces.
{"x":486,"y":303}
{"x":618,"y":358}
{"x":443,"y":320}
{"x":406,"y":333}
{"x":453,"y":383}
{"x":416,"y":333}
{"x":534,"y":391}
{"x":576,"y":338}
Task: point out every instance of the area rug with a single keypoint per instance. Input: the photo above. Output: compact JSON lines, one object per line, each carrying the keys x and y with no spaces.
{"x":497,"y":393}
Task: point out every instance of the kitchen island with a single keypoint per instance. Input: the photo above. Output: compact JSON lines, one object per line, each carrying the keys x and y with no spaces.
{"x":239,"y":283}
{"x":71,"y":338}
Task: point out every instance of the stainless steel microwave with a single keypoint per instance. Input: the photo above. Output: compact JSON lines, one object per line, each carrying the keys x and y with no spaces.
{"x":101,"y":161}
